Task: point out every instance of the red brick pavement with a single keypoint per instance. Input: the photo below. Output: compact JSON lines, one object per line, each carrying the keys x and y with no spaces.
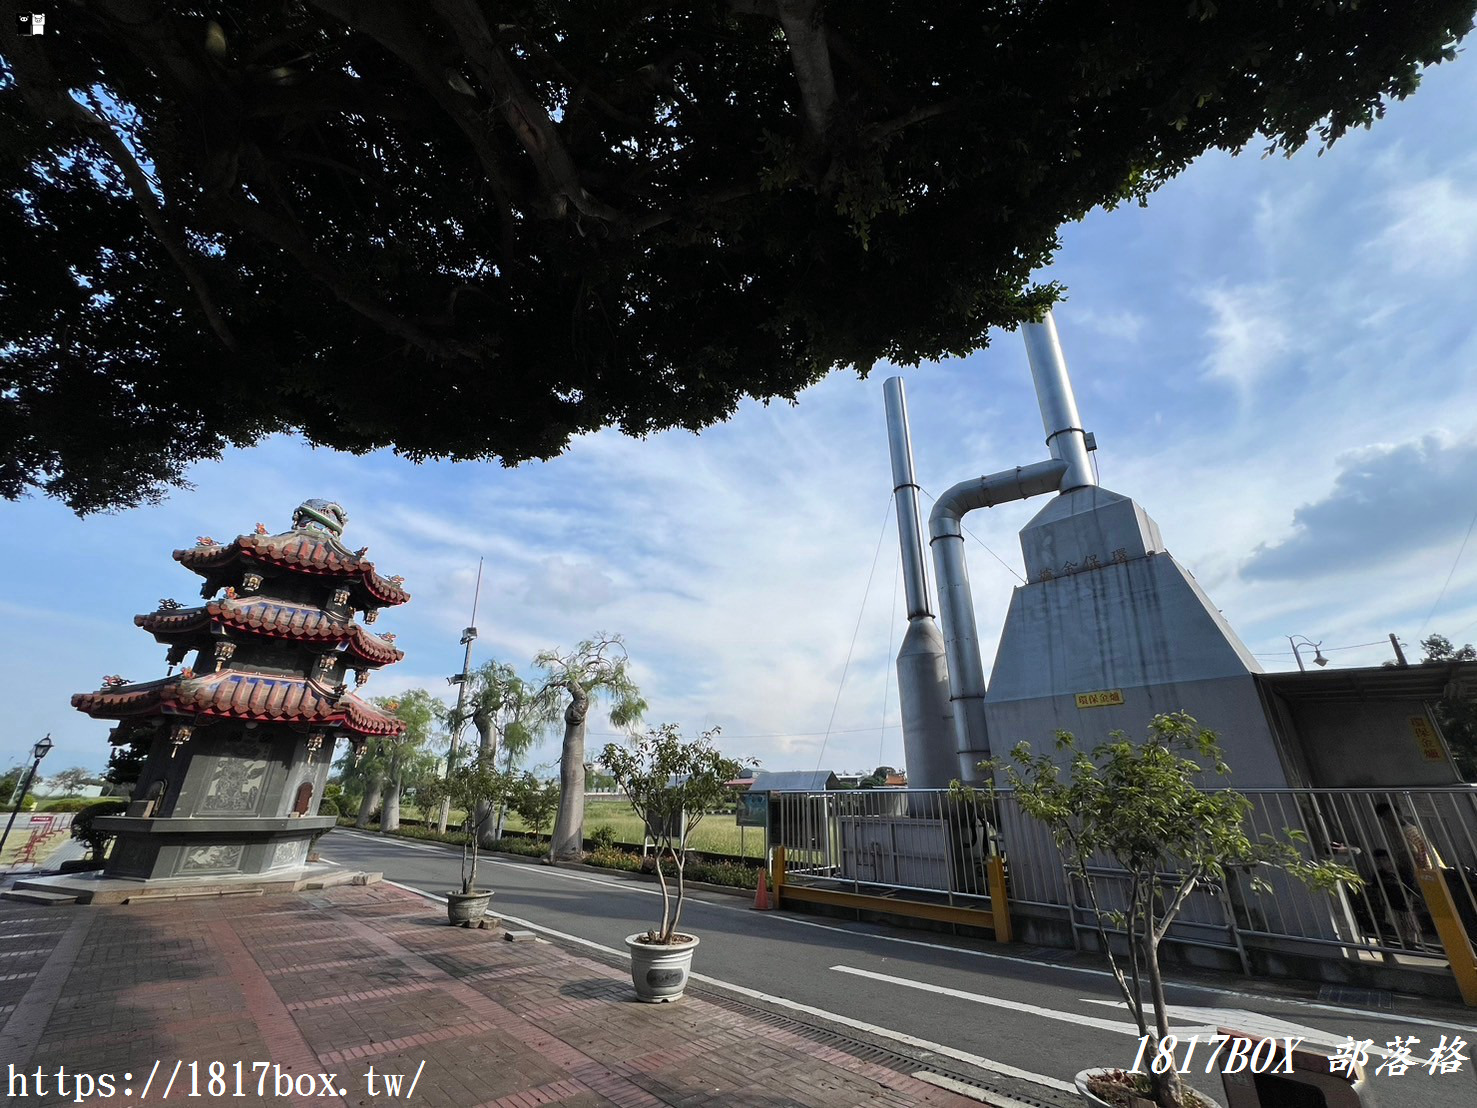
{"x":354,"y":979}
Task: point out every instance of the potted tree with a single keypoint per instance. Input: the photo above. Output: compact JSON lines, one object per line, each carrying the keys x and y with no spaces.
{"x":1142,"y":807}
{"x":670,"y":783}
{"x":476,"y":789}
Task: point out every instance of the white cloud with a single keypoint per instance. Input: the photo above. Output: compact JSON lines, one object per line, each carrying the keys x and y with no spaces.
{"x":1432,"y":229}
{"x":1121,"y":325}
{"x":1248,"y":333}
{"x":1386,"y":503}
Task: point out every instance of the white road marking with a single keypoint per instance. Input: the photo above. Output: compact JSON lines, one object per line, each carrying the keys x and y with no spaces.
{"x":1358,"y":1013}
{"x":794,"y":1006}
{"x":1121,"y":1027}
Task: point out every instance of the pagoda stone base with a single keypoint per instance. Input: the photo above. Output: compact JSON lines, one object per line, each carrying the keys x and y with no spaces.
{"x":153,"y":848}
{"x":99,"y":888}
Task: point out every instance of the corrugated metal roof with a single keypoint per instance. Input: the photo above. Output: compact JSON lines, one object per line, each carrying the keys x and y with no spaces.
{"x":795,"y":780}
{"x":1424,"y":682}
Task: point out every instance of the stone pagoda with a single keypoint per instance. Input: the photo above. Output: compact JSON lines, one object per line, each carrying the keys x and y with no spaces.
{"x":240,"y":740}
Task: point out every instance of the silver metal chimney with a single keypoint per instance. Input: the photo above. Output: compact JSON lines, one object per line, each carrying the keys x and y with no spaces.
{"x":922,"y":668}
{"x":956,"y":602}
{"x":1064,"y":435}
{"x":1069,"y":468}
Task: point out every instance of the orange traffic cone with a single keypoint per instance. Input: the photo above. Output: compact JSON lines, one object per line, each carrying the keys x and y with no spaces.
{"x":761,"y":894}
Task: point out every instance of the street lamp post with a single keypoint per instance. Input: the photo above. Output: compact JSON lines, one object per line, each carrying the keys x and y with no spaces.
{"x":1318,"y":658}
{"x":39,"y":751}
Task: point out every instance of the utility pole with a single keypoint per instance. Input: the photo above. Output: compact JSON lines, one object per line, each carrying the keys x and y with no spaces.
{"x":1399,"y":654}
{"x":461,"y":680}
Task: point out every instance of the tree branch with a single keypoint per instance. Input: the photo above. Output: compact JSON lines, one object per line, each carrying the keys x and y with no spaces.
{"x":1181,"y":894}
{"x":522,"y":112}
{"x":402,"y":38}
{"x":888,"y":127}
{"x":41,"y":91}
{"x":811,"y":57}
{"x":291,"y":238}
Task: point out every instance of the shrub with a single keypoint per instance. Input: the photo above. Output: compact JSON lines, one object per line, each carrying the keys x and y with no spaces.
{"x":603,"y":837}
{"x":530,"y":848}
{"x":613,"y":857}
{"x":328,"y":807}
{"x":94,"y":839}
{"x":725,"y":873}
{"x":68,"y":804}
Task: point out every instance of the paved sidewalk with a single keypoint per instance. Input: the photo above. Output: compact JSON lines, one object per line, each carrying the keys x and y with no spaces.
{"x":354,"y":979}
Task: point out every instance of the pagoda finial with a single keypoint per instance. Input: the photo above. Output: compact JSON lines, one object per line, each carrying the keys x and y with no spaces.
{"x":320,"y":515}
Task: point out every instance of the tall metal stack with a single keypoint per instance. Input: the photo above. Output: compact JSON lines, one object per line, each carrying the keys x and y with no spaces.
{"x":1107,"y":631}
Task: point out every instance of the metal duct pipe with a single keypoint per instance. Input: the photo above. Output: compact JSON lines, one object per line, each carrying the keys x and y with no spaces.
{"x":956,"y":603}
{"x":1064,"y":435}
{"x":905,"y":495}
{"x":922,"y":665}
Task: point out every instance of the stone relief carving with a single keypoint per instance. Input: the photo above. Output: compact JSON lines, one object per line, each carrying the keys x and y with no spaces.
{"x":220,"y":856}
{"x":289,"y":853}
{"x":235,"y":786}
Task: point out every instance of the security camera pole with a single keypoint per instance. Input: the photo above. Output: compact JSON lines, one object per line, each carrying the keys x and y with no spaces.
{"x":460,"y":681}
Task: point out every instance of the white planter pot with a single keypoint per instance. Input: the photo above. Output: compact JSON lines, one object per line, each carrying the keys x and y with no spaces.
{"x":660,"y":971}
{"x":1092,"y":1100}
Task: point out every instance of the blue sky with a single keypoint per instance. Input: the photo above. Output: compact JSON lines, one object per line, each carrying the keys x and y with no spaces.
{"x":1278,"y":358}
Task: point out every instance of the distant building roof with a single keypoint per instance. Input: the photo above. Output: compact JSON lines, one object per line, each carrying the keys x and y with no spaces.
{"x":796,"y":780}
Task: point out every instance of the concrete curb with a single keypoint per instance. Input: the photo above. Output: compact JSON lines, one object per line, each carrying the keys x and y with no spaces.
{"x":582,"y":867}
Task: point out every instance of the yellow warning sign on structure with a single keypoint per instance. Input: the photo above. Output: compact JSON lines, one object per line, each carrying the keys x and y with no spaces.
{"x":1425,"y":738}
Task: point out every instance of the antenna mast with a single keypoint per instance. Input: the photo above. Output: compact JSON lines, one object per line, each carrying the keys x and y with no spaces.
{"x":460,"y":680}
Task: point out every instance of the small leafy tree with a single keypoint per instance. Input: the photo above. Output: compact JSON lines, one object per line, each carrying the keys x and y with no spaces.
{"x":475,"y":789}
{"x":1140,"y":805}
{"x":10,"y":783}
{"x":71,"y":781}
{"x":535,"y":801}
{"x":407,"y":760}
{"x":664,"y":777}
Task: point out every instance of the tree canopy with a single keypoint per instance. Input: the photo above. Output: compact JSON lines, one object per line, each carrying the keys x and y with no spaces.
{"x":1457,"y":713}
{"x":473,"y":230}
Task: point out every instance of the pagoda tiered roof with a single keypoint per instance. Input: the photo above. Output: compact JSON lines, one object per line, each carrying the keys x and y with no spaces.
{"x":235,"y":694}
{"x":258,"y":615}
{"x":301,"y":550}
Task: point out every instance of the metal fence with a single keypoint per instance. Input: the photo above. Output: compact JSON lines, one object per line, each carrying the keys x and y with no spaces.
{"x":931,"y":844}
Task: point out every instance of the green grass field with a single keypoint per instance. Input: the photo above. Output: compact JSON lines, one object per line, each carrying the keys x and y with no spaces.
{"x":715,"y":834}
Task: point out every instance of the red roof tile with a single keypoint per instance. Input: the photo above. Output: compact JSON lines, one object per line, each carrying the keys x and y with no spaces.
{"x":234,"y":694}
{"x":274,"y":619}
{"x":306,"y":551}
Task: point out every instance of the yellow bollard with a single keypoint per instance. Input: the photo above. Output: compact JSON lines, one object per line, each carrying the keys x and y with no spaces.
{"x":999,"y":904}
{"x":1453,"y":935}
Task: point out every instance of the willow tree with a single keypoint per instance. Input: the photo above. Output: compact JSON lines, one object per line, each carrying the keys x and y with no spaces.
{"x":511,"y":223}
{"x":404,"y":762}
{"x":596,"y":670}
{"x":509,"y":714}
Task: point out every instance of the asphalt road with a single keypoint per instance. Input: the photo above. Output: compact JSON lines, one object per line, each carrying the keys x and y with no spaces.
{"x":931,"y":995}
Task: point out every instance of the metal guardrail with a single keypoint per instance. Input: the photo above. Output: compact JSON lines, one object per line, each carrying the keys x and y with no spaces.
{"x":931,"y":844}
